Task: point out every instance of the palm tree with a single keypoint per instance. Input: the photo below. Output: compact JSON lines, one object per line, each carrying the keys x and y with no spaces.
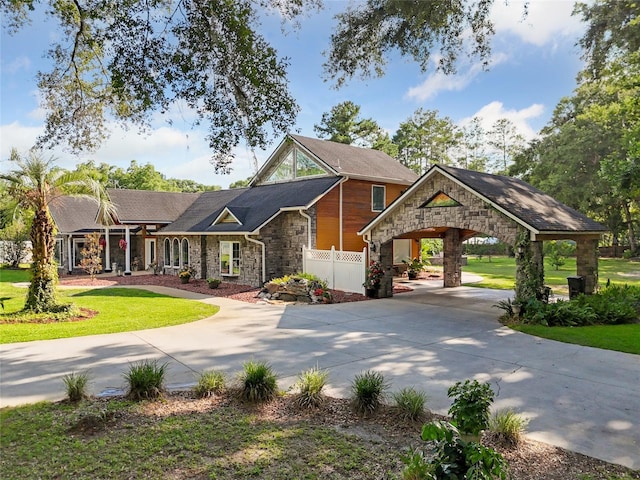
{"x":34,"y":184}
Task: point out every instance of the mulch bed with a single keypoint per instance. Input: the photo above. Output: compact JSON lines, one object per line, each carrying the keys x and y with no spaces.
{"x":244,"y":293}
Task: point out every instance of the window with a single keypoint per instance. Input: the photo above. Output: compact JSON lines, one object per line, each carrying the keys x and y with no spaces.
{"x":306,"y":167}
{"x":230,"y":259}
{"x":58,"y":251}
{"x":175,"y":252}
{"x":401,"y":250}
{"x":295,"y":164}
{"x":377,"y":198}
{"x":185,"y":252}
{"x":78,"y":245}
{"x":167,"y":251}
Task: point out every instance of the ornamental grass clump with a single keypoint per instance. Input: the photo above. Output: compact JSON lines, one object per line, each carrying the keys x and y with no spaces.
{"x":368,"y":391}
{"x":76,"y":386}
{"x":145,"y":379}
{"x":258,"y":382}
{"x":507,"y":426}
{"x":310,"y":384}
{"x":411,"y":403}
{"x":210,"y":383}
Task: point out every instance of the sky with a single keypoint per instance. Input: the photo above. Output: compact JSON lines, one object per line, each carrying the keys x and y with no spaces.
{"x":534,"y":64}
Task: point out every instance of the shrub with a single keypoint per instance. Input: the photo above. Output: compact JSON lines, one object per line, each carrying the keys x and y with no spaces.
{"x":209,"y":383}
{"x":411,"y":403}
{"x":613,"y":305}
{"x":368,"y":391}
{"x":451,"y":457}
{"x":214,"y":282}
{"x":310,"y":384}
{"x":470,"y":407}
{"x":76,"y":385}
{"x":258,"y":382}
{"x":145,"y":379}
{"x":507,"y":426}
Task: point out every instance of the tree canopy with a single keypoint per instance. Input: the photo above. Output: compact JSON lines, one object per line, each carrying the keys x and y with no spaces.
{"x":128,"y":61}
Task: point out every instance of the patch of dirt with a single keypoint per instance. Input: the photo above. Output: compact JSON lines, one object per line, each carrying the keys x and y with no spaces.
{"x":528,"y":460}
{"x":85,"y":314}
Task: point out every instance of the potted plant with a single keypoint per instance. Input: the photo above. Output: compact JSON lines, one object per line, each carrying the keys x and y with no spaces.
{"x":214,"y":282}
{"x":154,"y":267}
{"x":185,"y":274}
{"x":414,"y":267}
{"x":372,"y":279}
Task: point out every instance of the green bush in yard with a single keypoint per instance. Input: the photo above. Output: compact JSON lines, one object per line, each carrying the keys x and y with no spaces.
{"x":470,"y":407}
{"x":209,"y":383}
{"x":410,"y":402}
{"x":368,"y":391}
{"x":310,"y":384}
{"x":145,"y":379}
{"x":76,"y":386}
{"x":258,"y":381}
{"x":614,"y":305}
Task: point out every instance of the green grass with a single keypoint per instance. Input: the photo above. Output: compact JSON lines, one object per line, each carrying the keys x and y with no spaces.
{"x":48,"y":440}
{"x":120,"y":310}
{"x":621,"y":338}
{"x":500,"y":272}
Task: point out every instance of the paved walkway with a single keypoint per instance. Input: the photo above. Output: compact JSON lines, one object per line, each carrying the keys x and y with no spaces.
{"x":584,"y":399}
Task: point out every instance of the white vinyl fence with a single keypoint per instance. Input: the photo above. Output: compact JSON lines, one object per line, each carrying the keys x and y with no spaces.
{"x":341,"y":270}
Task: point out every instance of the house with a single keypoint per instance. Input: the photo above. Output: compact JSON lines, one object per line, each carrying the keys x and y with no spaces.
{"x":309,"y":192}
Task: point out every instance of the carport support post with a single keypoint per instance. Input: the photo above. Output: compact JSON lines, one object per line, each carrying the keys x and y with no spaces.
{"x":587,"y":263}
{"x":529,"y":266}
{"x":452,"y":260}
{"x":386,"y":260}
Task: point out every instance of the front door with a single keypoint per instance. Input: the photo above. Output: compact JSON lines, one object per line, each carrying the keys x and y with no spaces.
{"x":149,"y":251}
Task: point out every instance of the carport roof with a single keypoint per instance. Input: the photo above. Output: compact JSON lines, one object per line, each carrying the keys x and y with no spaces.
{"x":525,"y":204}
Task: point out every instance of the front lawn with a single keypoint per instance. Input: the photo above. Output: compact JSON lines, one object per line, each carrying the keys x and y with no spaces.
{"x":500,"y":272}
{"x":621,"y":338}
{"x":119,"y":310}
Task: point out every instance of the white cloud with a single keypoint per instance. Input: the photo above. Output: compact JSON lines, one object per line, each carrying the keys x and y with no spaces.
{"x":19,"y":63}
{"x":520,"y":118}
{"x":545,"y":21}
{"x":174,"y":153}
{"x":439,"y":82}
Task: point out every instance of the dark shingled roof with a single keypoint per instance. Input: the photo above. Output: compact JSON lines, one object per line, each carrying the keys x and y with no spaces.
{"x":203,"y":211}
{"x":74,"y":214}
{"x":145,"y":206}
{"x":532,"y":206}
{"x":353,"y":161}
{"x":253,"y":207}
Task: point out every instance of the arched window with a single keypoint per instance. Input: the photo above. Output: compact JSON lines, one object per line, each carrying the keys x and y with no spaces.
{"x":185,"y":252}
{"x":175,"y":252}
{"x":167,"y":251}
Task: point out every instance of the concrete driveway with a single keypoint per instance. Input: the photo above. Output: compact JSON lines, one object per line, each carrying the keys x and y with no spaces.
{"x":584,"y":399}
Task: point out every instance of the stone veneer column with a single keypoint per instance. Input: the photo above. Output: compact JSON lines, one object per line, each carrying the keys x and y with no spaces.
{"x":587,"y":263}
{"x":386,"y":260}
{"x":452,"y":260}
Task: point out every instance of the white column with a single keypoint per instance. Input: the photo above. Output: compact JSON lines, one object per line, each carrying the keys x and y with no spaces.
{"x":69,"y":254}
{"x":107,"y":253}
{"x":127,"y":251}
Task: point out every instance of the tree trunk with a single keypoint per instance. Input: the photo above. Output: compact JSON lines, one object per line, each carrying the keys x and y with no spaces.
{"x":632,"y":234}
{"x":41,"y":296}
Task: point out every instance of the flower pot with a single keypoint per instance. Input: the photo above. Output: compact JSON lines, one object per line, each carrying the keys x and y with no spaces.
{"x":412,"y":275}
{"x":214,"y":284}
{"x":184,"y":279}
{"x":371,"y":292}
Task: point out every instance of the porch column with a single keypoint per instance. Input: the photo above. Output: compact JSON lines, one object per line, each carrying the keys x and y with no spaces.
{"x":386,"y":260}
{"x":107,"y":253}
{"x":69,"y":253}
{"x":452,"y":259}
{"x":529,"y":267}
{"x":127,"y":251}
{"x":587,"y":263}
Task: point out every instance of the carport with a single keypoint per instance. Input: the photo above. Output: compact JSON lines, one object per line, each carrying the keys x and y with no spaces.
{"x":456,"y":204}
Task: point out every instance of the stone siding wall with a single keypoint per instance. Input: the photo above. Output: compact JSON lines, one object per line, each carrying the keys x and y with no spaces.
{"x":474,"y":214}
{"x":195,"y":257}
{"x":285,"y":236}
{"x":250,"y":260}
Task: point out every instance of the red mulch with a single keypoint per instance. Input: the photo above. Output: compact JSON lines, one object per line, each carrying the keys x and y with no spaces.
{"x":244,"y":293}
